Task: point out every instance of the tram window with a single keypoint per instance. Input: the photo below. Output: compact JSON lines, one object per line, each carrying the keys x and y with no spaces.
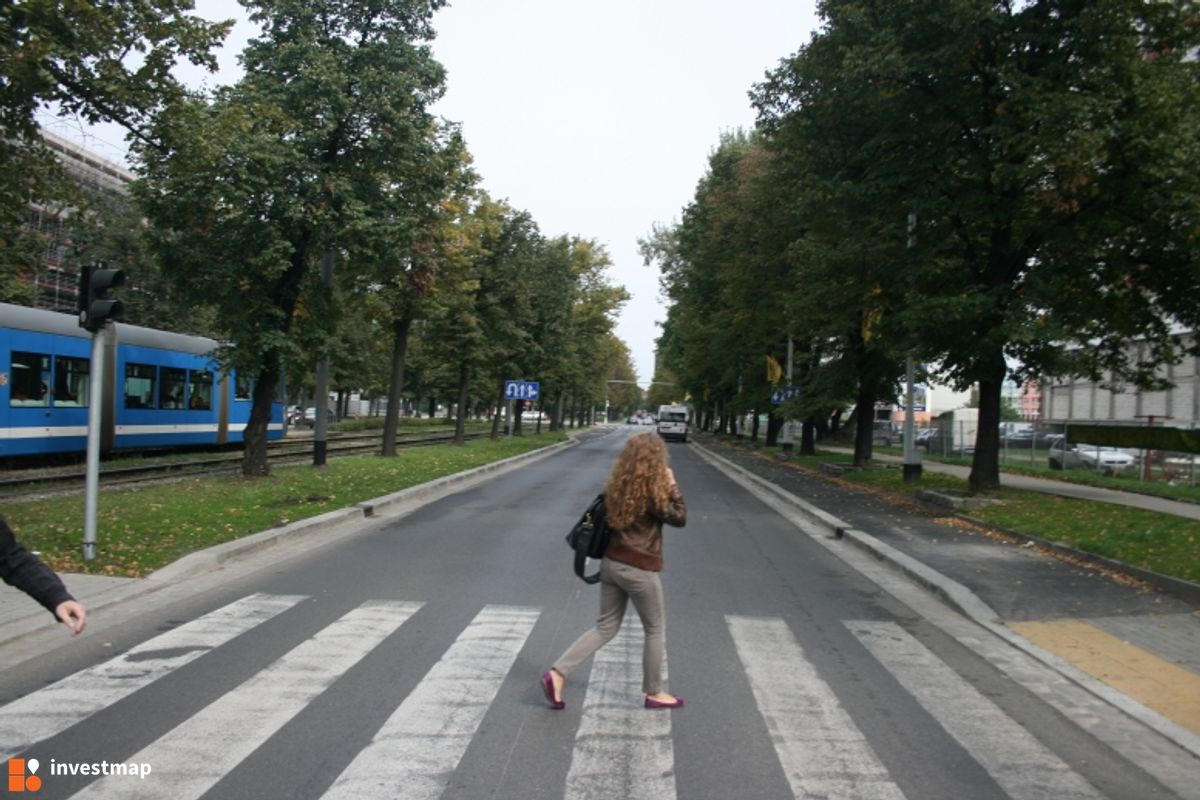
{"x":70,"y":382}
{"x":174,"y":384}
{"x":30,"y":380}
{"x":201,"y":394}
{"x":243,"y":388}
{"x":139,"y":386}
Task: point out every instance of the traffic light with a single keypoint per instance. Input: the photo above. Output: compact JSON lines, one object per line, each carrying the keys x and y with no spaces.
{"x":95,"y":306}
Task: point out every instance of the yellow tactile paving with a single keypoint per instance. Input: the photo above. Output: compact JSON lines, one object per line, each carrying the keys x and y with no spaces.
{"x":1170,"y":690}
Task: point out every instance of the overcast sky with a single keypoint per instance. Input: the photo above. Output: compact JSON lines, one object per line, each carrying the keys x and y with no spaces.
{"x":595,"y":117}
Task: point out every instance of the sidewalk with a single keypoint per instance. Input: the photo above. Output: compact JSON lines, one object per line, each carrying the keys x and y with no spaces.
{"x":1062,"y":488}
{"x":1138,"y":640}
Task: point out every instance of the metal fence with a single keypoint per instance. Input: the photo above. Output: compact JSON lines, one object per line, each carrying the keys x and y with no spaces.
{"x":1045,"y":446}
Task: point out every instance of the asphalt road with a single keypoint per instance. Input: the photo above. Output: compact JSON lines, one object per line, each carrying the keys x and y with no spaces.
{"x":402,"y":662}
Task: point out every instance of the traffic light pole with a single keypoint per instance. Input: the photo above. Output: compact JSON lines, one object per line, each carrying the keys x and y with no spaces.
{"x":96,"y":309}
{"x":95,"y":401}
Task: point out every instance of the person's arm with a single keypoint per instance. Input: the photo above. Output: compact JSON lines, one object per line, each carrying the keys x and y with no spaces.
{"x":677,"y":510}
{"x":25,"y":571}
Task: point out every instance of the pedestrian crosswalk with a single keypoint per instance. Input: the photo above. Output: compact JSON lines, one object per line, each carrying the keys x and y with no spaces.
{"x":618,"y":748}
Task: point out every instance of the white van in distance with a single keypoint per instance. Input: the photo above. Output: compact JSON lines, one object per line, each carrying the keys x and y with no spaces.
{"x":673,"y":422}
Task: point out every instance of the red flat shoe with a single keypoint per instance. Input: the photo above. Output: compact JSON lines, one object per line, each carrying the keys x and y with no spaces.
{"x":652,"y":703}
{"x":547,"y":682}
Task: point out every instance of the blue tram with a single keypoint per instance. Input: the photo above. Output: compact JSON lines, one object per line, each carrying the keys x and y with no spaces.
{"x":160,"y":389}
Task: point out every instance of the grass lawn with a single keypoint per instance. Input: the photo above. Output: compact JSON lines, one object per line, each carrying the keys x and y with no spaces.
{"x":141,"y":530}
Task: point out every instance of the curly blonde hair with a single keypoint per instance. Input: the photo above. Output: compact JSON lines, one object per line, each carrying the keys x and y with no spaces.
{"x":638,"y":482}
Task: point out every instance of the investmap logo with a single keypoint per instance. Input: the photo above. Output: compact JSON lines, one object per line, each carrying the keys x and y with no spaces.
{"x":22,"y":775}
{"x":23,"y":772}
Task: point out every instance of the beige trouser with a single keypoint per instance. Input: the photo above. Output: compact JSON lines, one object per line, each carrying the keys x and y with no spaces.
{"x":620,"y":583}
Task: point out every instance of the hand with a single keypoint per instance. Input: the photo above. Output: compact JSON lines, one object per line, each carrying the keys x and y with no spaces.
{"x":73,"y":615}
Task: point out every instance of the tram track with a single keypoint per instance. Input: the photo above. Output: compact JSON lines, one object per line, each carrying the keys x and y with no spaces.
{"x":29,"y":484}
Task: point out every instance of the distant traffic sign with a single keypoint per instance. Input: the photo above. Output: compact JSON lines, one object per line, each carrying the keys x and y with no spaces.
{"x":521,"y":390}
{"x":781,"y":394}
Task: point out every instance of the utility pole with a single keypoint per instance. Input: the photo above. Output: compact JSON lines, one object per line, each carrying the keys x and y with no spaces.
{"x":912,"y":456}
{"x":321,"y":401}
{"x":788,"y":435}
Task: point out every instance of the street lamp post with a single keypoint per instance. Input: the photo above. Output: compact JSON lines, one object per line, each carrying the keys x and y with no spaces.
{"x":912,"y":457}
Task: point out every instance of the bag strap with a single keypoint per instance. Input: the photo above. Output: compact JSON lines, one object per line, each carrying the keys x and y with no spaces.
{"x":580,"y":562}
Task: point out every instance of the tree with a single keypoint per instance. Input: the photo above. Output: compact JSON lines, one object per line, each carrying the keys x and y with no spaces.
{"x":321,"y":148}
{"x":1047,"y":151}
{"x":76,"y":54}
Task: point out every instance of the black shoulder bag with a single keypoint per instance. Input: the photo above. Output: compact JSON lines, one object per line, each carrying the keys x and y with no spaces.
{"x":589,"y":537}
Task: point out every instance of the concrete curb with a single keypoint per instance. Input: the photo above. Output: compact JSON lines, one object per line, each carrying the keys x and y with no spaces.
{"x":961,"y":599}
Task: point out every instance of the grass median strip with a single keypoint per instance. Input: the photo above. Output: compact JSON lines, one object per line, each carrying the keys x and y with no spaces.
{"x":139,"y":531}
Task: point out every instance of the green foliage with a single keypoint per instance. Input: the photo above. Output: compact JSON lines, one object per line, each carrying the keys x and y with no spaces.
{"x":76,"y":54}
{"x":325,"y":146}
{"x":1046,"y":155}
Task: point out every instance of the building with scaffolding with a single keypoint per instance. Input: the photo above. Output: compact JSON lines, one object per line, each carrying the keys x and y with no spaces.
{"x":57,"y":282}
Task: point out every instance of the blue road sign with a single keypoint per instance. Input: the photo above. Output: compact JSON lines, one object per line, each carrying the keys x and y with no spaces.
{"x":781,"y":394}
{"x":521,"y":390}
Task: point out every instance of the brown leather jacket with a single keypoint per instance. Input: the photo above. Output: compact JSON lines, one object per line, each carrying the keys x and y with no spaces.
{"x":640,"y":545}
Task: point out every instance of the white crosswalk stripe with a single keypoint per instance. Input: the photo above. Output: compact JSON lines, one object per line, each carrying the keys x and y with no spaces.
{"x":199,"y":752}
{"x":822,"y":751}
{"x":1023,"y":767}
{"x":415,"y":751}
{"x":51,"y":710}
{"x":621,"y":749}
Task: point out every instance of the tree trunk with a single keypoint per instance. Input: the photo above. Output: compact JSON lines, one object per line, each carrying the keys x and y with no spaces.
{"x":808,"y":438}
{"x":985,"y":465}
{"x":754,"y":427}
{"x":774,"y":426}
{"x":254,"y":452}
{"x":391,"y":424}
{"x":556,"y":416}
{"x":499,"y":411}
{"x":864,"y":427}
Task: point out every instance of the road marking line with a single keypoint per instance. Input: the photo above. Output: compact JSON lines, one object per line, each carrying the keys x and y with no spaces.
{"x":51,"y":710}
{"x":203,"y":749}
{"x":1170,"y":690}
{"x":822,"y":752}
{"x":1024,"y":767}
{"x":416,"y":751}
{"x":621,"y":748}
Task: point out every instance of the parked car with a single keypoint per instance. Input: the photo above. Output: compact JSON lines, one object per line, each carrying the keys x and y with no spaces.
{"x":310,"y":416}
{"x":886,"y":432}
{"x":1018,"y":437}
{"x":1088,"y":456}
{"x":1108,"y":459}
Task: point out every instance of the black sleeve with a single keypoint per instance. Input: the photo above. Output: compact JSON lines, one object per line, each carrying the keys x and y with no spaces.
{"x":27,"y":572}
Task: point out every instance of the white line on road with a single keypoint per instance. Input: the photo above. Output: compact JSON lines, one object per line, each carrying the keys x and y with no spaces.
{"x":415,"y":752}
{"x":621,"y":749}
{"x":1022,"y":765}
{"x":51,"y":710}
{"x":203,"y":749}
{"x":821,"y":750}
